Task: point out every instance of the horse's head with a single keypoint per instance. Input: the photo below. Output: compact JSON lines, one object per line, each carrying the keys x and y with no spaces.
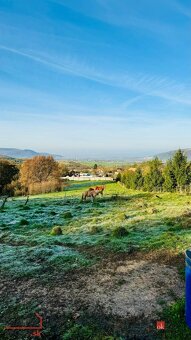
{"x":100,"y":188}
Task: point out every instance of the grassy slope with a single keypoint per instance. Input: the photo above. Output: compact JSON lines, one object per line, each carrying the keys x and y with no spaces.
{"x":28,"y":249}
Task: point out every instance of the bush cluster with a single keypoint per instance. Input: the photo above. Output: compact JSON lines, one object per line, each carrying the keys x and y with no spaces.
{"x":56,"y":231}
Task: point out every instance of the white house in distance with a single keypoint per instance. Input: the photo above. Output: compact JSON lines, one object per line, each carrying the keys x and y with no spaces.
{"x":87,"y":177}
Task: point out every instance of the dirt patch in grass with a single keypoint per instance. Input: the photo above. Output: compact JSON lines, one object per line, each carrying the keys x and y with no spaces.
{"x":121,"y":295}
{"x":132,"y":289}
{"x":159,"y":256}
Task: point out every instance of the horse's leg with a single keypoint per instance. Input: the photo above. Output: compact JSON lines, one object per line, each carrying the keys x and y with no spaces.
{"x":94,"y":196}
{"x":84,"y":195}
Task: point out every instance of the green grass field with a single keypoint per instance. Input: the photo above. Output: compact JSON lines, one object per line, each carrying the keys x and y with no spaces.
{"x":122,"y":223}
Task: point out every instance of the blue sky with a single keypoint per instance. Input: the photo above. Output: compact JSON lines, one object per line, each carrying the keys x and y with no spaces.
{"x":95,"y":78}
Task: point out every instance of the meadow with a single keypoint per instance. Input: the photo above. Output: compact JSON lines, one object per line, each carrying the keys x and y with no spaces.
{"x":116,"y":268}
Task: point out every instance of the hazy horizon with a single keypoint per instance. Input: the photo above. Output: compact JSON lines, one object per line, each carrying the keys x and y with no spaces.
{"x":97,"y":77}
{"x":115,"y":155}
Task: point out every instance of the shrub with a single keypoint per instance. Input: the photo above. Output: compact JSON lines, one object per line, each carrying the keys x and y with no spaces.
{"x":120,"y":232}
{"x":67,"y":214}
{"x":56,"y":231}
{"x":95,"y":229}
{"x":24,"y":222}
{"x":53,"y":213}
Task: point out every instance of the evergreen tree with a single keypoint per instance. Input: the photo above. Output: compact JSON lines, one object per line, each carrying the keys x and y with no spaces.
{"x":123,"y":178}
{"x":138,"y":179}
{"x":188,"y":171}
{"x":180,"y":170}
{"x":154,"y":179}
{"x":129,"y":179}
{"x":176,"y":174}
{"x":169,"y":177}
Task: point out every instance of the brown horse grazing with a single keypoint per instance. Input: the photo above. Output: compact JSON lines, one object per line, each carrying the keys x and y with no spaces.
{"x":92,"y":193}
{"x":101,"y":189}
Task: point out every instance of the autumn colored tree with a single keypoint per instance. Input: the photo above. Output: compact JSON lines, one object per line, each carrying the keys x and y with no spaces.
{"x":40,"y":174}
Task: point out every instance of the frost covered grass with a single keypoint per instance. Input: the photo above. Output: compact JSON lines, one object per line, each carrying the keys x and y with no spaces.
{"x":50,"y":235}
{"x":149,"y":223}
{"x":29,"y":261}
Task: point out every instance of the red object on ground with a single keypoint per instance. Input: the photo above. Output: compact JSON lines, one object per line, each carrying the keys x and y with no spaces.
{"x":36,"y":329}
{"x":160,"y":325}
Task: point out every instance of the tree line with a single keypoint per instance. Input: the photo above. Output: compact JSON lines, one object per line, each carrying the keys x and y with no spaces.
{"x":42,"y":174}
{"x":173,"y":176}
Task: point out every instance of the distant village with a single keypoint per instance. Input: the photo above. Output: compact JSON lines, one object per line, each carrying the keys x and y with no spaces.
{"x":101,"y":175}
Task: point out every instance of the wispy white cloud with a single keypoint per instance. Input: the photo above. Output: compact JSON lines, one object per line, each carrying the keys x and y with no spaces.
{"x":155,"y":86}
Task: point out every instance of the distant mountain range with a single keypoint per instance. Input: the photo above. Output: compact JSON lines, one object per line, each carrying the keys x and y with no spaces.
{"x":22,"y":154}
{"x":167,"y":155}
{"x":13,"y":153}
